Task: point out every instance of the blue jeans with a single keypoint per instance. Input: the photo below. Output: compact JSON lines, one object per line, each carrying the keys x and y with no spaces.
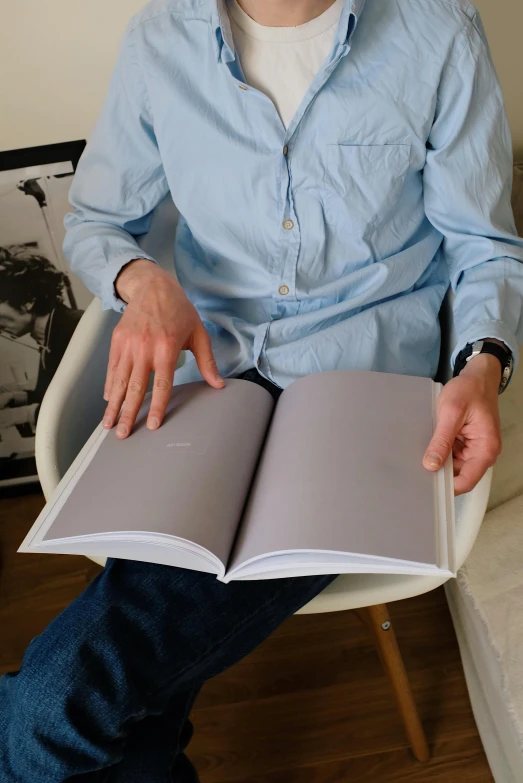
{"x":104,"y":693}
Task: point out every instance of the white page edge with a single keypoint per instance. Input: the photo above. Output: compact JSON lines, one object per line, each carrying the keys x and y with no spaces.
{"x":63,"y":490}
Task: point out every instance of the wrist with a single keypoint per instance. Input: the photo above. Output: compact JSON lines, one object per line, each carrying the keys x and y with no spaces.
{"x":486,"y":367}
{"x":133,"y":276}
{"x":476,"y":357}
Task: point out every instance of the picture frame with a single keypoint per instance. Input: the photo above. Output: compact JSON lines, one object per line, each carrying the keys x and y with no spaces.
{"x":41,"y":300}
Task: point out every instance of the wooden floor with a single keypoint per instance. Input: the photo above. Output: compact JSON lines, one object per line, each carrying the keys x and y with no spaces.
{"x":311,"y":705}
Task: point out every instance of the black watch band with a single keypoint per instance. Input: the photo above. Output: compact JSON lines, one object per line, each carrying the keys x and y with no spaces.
{"x":483,"y":346}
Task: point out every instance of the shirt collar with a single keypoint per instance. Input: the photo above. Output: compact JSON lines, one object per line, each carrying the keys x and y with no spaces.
{"x":222,"y":27}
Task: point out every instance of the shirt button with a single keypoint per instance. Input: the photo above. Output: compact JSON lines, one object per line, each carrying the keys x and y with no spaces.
{"x":285,"y":150}
{"x":283,"y":290}
{"x":288,"y":224}
{"x":243,"y":87}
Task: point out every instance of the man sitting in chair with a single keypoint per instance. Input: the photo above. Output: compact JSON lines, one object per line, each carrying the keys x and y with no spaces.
{"x":336,"y":166}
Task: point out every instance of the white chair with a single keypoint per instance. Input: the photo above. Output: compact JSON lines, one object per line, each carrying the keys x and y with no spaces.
{"x":73,"y":407}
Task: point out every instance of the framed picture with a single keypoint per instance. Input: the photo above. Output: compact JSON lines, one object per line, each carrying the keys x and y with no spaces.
{"x":41,"y":301}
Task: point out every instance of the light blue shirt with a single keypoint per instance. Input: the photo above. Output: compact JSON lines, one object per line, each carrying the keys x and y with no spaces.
{"x":328,"y":245}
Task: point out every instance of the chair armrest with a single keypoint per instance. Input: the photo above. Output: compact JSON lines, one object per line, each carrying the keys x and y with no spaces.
{"x":73,"y":404}
{"x":470,"y":511}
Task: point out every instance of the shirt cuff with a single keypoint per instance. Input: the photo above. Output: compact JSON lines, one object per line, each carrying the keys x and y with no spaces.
{"x":482,"y":331}
{"x":110,"y":299}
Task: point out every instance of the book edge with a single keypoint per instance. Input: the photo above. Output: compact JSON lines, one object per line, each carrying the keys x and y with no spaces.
{"x":63,"y":490}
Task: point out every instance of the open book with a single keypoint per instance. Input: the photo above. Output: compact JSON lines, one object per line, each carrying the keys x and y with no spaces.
{"x":328,"y":480}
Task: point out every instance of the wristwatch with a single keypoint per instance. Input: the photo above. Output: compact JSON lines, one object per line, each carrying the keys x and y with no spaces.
{"x":482,"y":346}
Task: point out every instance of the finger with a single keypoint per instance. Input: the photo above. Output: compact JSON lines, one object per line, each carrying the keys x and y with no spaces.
{"x":458,"y":447}
{"x":202,"y":350}
{"x":458,"y":455}
{"x":457,"y":464}
{"x":449,"y":424}
{"x":118,"y":391}
{"x":162,"y":389}
{"x":472,"y":470}
{"x":477,"y":456}
{"x":135,"y":393}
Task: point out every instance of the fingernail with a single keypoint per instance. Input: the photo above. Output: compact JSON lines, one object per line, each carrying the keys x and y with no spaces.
{"x":123,"y":430}
{"x":153,"y":423}
{"x":107,"y":423}
{"x":220,"y":380}
{"x":433,"y":460}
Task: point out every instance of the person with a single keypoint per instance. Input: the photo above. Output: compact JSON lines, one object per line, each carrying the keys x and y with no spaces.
{"x":336,"y":165}
{"x":31,"y":303}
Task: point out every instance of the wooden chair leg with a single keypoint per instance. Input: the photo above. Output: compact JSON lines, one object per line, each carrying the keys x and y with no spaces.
{"x":377,"y":619}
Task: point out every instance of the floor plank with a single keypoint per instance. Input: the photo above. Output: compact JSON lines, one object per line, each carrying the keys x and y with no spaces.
{"x":311,"y":705}
{"x":456,"y":761}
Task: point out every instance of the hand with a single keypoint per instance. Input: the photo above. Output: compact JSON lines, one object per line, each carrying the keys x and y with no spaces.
{"x":157,"y":325}
{"x":468,"y":423}
{"x":16,"y":397}
{"x":11,"y":417}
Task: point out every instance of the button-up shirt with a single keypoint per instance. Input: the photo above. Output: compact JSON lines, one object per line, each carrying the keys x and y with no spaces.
{"x":329,"y":244}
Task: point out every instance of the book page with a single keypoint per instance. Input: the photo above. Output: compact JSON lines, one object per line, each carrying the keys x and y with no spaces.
{"x":341,"y":471}
{"x":189,"y":478}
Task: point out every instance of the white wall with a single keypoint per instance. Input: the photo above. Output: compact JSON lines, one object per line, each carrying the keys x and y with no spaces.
{"x":503,"y":20}
{"x":56,"y":57}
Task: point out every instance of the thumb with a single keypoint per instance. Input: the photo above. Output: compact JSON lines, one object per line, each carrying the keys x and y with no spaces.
{"x":205,"y":360}
{"x":447,"y":428}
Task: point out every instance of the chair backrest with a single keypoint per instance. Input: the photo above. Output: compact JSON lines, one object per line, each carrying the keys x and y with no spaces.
{"x":73,"y":404}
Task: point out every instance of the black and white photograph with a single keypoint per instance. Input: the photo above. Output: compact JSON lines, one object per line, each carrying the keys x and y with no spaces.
{"x":41,"y":301}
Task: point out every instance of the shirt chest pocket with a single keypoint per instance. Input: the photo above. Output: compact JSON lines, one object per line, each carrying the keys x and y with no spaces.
{"x":365,"y":182}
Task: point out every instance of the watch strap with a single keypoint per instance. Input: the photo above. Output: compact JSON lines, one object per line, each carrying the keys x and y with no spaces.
{"x":483,"y":346}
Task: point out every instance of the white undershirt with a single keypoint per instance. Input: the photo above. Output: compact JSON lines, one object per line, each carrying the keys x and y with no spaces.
{"x":283,"y":61}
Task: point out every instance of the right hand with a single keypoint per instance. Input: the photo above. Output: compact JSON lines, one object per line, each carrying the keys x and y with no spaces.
{"x":158,"y":323}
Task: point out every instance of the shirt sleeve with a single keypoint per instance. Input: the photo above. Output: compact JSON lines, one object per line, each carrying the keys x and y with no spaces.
{"x":118,"y":183}
{"x":467,"y":189}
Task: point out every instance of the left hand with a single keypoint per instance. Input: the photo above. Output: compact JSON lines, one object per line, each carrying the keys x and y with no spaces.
{"x":11,"y":417}
{"x":468,"y":423}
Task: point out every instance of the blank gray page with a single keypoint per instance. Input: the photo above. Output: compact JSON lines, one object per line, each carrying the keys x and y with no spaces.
{"x":341,"y":470}
{"x":189,"y":478}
